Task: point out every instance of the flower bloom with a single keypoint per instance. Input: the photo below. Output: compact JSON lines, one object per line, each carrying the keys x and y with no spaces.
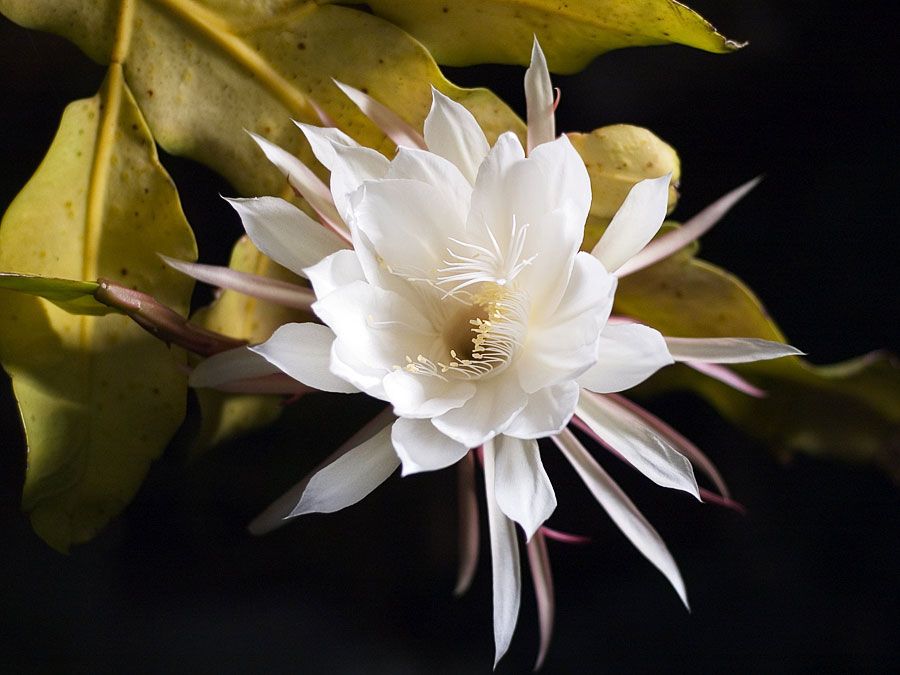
{"x":450,"y":284}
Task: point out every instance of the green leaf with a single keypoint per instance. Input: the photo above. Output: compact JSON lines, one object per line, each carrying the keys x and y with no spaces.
{"x":203,"y":72}
{"x":848,"y":411}
{"x":99,"y":397}
{"x":617,"y":157}
{"x":466,"y":32}
{"x":246,"y":318}
{"x":75,"y":297}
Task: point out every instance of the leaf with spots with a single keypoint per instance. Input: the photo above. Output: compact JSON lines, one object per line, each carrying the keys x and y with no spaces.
{"x":99,"y":397}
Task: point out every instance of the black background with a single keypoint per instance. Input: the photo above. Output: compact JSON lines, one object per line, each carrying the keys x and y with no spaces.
{"x":806,"y":582}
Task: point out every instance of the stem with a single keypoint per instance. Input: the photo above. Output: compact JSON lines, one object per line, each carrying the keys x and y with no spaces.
{"x":161,"y":321}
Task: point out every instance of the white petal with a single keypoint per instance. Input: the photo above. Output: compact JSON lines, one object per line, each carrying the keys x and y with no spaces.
{"x":635,"y":223}
{"x":664,"y":246}
{"x":523,"y":490}
{"x":728,"y":350}
{"x":302,"y":179}
{"x":335,"y":271}
{"x":565,"y":345}
{"x":452,"y":132}
{"x":539,"y":100}
{"x":622,"y":511}
{"x":303,"y":351}
{"x":639,"y":444}
{"x":394,"y":126}
{"x":685,"y":447}
{"x":276,"y":514}
{"x":408,"y":223}
{"x":505,"y":572}
{"x":548,"y":410}
{"x":284,"y":233}
{"x":489,"y":412}
{"x":350,"y":163}
{"x":437,"y":172}
{"x":272,"y":290}
{"x":421,"y":447}
{"x":421,"y":396}
{"x":495,"y":194}
{"x":350,"y":477}
{"x":627,"y":354}
{"x":380,"y":328}
{"x":230,"y":366}
{"x":346,"y":365}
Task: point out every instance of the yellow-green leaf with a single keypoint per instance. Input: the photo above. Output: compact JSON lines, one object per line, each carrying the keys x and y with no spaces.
{"x":76,"y":297}
{"x":240,"y":316}
{"x":465,"y":32}
{"x":617,"y":157}
{"x":202,"y":72}
{"x":848,"y":411}
{"x":99,"y":397}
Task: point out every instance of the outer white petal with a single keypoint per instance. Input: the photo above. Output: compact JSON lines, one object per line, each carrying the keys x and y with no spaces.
{"x":394,"y":126}
{"x":667,"y":244}
{"x":548,"y":410}
{"x":301,"y":178}
{"x":565,"y":345}
{"x":303,"y":351}
{"x":421,"y":396}
{"x":350,"y":163}
{"x":265,"y":288}
{"x":638,"y":443}
{"x":621,"y":509}
{"x":635,"y":223}
{"x":380,"y":328}
{"x":350,"y":477}
{"x":230,"y":366}
{"x":284,"y":233}
{"x":452,"y":132}
{"x":505,"y":572}
{"x":421,"y":447}
{"x":276,"y":514}
{"x":539,"y":100}
{"x":335,"y":271}
{"x":627,"y":354}
{"x":489,"y":412}
{"x":522,"y":488}
{"x":408,"y":223}
{"x":728,"y":350}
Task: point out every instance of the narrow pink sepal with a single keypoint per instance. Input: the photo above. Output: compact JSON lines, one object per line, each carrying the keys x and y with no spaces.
{"x":276,"y":383}
{"x":666,"y":245}
{"x":726,"y":376}
{"x":271,"y":290}
{"x":468,"y":524}
{"x":542,"y":578}
{"x":564,"y":537}
{"x":710,"y":497}
{"x":394,"y":126}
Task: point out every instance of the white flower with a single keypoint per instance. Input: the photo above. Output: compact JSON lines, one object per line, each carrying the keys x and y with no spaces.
{"x":464,"y":302}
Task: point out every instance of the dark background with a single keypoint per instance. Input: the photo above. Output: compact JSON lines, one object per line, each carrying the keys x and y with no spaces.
{"x":806,"y":582}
